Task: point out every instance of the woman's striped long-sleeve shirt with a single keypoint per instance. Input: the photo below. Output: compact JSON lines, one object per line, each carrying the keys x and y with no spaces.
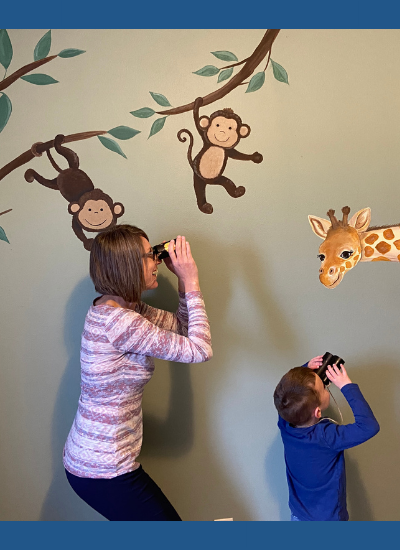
{"x":117,"y":350}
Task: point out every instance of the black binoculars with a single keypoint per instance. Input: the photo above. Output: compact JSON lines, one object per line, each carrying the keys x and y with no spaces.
{"x":161,"y":250}
{"x":328,"y":360}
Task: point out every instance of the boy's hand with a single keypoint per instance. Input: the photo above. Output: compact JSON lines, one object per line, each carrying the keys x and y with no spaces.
{"x":338,"y":378}
{"x":315,"y":363}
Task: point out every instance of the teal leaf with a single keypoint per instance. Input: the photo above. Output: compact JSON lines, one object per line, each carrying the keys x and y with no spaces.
{"x":157,"y":126}
{"x":225,"y":56}
{"x":112,"y":145}
{"x":256,"y":82}
{"x":42,"y":48}
{"x":160,"y":99}
{"x":145,"y":112}
{"x":208,"y":70}
{"x":3,"y":236}
{"x":70,"y":52}
{"x":123,"y":132}
{"x":6,"y":51}
{"x":279,"y":72}
{"x":39,"y":79}
{"x":5,"y":110}
{"x":225,"y":74}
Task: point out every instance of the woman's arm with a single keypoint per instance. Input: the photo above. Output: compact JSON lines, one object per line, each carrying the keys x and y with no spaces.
{"x":130,"y":332}
{"x":175,"y":322}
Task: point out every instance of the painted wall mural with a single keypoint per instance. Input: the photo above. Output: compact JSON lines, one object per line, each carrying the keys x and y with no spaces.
{"x":91,"y":209}
{"x":209,"y":164}
{"x":348,"y":242}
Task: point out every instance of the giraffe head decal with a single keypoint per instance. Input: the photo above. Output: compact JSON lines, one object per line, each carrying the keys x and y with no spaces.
{"x":341,"y":249}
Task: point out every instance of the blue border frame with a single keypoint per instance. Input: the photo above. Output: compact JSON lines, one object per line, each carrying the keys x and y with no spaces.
{"x":190,"y":15}
{"x":179,"y":14}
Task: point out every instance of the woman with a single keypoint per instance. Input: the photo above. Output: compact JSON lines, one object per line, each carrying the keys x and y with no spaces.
{"x":120,"y":338}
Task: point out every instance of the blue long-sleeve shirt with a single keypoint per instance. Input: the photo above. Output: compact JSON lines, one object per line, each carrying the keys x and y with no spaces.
{"x":314,"y":459}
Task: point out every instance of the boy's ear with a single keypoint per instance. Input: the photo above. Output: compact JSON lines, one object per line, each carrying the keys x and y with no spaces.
{"x":318,"y":413}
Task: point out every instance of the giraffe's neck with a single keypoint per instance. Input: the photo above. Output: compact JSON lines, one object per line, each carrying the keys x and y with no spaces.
{"x":381,"y":245}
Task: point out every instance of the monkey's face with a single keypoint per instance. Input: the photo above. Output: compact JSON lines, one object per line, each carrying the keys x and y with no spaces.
{"x":223,"y":132}
{"x":95,"y":215}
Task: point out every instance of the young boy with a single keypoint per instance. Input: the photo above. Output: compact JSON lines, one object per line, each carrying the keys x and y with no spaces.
{"x":314,"y":446}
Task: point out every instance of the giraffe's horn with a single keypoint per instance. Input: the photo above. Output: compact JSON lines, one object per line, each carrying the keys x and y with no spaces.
{"x":332,"y":217}
{"x":346,"y":212}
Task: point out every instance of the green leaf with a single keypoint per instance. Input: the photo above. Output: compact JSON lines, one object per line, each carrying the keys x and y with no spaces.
{"x":256,"y":82}
{"x":112,"y":145}
{"x":39,"y":79}
{"x":3,"y":236}
{"x":224,"y":75}
{"x":42,"y":48}
{"x":279,"y":72}
{"x":5,"y":110}
{"x":157,"y":126}
{"x":225,"y":56}
{"x":208,"y":70}
{"x":160,"y":99}
{"x":145,"y":112}
{"x":70,"y":52}
{"x":123,"y":132}
{"x":6,"y":51}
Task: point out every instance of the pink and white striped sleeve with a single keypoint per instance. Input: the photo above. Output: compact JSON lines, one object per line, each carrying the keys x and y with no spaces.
{"x":128,"y":331}
{"x":175,"y":322}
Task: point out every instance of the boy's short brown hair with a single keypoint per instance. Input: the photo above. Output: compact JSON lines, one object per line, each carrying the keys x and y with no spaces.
{"x":296,"y":397}
{"x":116,"y":262}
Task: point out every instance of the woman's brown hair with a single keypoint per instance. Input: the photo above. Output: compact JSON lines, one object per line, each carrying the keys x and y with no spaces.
{"x":116,"y":262}
{"x":295,"y":396}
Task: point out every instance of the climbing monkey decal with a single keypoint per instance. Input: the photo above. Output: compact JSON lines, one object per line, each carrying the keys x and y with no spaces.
{"x":221,"y":133}
{"x":92,"y":209}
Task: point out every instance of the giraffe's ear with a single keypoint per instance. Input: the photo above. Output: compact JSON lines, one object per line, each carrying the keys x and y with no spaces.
{"x":319,"y":226}
{"x":361,"y":220}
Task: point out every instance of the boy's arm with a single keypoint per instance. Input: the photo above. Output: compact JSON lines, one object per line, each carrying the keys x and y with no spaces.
{"x":365,"y":425}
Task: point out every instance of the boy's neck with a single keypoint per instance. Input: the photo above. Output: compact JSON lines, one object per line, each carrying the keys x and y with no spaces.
{"x":309,"y":424}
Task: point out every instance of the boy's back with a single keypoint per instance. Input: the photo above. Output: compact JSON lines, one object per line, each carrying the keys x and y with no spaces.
{"x":314,"y":456}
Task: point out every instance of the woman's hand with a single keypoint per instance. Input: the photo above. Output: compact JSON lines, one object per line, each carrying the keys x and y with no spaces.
{"x":182,"y":264}
{"x":315,"y":363}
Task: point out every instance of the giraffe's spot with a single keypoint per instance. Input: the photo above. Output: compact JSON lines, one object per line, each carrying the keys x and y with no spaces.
{"x":397,"y":244}
{"x":342,"y":268}
{"x":349,"y":265}
{"x":388,"y":234}
{"x":380,"y":259}
{"x":383,"y":247}
{"x":371,"y":238}
{"x":368,"y":251}
{"x":356,"y":258}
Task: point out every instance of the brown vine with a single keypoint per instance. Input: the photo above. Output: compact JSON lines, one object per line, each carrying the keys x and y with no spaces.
{"x":249,"y":67}
{"x":24,"y":70}
{"x":41,"y":148}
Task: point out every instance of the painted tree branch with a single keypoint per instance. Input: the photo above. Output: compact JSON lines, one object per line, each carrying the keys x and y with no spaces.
{"x":24,"y":70}
{"x":249,"y":67}
{"x":41,"y":148}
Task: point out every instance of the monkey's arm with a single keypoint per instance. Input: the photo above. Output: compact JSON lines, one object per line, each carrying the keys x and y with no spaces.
{"x":255,"y":157}
{"x":87,"y":243}
{"x":197,"y":104}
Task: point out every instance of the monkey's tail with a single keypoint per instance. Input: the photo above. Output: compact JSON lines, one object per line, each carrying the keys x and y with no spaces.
{"x":182,"y":139}
{"x":69,"y":154}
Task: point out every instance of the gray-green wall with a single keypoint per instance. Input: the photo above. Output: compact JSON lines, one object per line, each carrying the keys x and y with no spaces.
{"x":329,"y":139}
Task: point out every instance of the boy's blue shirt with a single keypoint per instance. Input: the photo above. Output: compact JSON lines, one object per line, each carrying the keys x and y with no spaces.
{"x":314,"y":459}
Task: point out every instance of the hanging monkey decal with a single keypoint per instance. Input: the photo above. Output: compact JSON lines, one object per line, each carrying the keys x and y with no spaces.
{"x":221,"y":133}
{"x":91,"y":209}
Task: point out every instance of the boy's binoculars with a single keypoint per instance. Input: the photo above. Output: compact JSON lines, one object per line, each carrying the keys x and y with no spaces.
{"x":161,"y":250}
{"x":328,"y":360}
